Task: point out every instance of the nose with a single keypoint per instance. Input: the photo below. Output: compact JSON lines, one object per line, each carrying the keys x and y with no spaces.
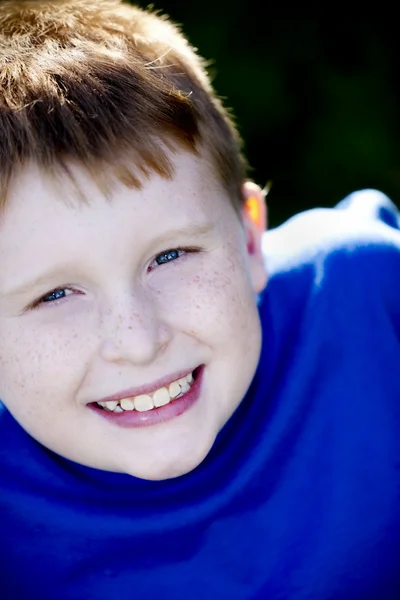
{"x":132,"y":330}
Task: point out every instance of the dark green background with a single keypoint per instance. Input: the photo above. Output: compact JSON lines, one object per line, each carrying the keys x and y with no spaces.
{"x":315,"y":96}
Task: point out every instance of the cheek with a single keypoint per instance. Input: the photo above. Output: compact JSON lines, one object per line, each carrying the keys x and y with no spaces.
{"x":213,"y":296}
{"x":38,"y":366}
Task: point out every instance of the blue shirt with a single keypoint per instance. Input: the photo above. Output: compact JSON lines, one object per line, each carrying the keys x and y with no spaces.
{"x":299,"y":497}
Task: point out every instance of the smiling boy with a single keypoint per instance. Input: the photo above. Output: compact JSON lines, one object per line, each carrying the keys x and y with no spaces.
{"x":124,"y":326}
{"x":172,"y":426}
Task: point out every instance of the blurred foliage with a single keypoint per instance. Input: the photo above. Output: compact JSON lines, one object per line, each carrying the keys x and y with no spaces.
{"x":315,"y":98}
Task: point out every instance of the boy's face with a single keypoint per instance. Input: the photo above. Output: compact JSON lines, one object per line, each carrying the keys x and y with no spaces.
{"x":152,"y":285}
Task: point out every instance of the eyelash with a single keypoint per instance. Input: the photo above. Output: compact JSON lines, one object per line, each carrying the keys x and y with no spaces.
{"x":179,"y":251}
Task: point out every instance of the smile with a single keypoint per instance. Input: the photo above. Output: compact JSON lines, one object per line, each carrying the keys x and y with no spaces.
{"x":145,"y":402}
{"x":153,"y":408}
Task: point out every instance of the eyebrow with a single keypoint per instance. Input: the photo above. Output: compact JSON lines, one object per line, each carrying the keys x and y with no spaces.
{"x":198,"y":230}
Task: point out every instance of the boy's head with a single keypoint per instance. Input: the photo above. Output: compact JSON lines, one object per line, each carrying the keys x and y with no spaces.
{"x":128,"y":258}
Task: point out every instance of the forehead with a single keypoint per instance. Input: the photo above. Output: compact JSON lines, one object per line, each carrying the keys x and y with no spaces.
{"x":36,"y":199}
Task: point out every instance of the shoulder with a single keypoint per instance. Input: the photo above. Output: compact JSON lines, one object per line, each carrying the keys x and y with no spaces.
{"x":8,"y":434}
{"x":16,"y":445}
{"x":333,"y":294}
{"x":364,"y":223}
{"x":343,"y":261}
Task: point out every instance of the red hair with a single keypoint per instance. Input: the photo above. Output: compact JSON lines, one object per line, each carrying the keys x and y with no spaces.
{"x":97,"y":81}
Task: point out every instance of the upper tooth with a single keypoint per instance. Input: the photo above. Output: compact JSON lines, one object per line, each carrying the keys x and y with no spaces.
{"x":183,"y":382}
{"x":161,"y":397}
{"x":111,"y":404}
{"x":174,"y":389}
{"x":189,"y":377}
{"x":127,"y":404}
{"x":143,"y":402}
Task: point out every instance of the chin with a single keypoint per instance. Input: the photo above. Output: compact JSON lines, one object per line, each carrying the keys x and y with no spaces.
{"x":159,"y":474}
{"x":169,"y":469}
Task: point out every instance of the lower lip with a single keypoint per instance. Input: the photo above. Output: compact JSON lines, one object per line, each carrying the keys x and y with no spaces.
{"x":175,"y":408}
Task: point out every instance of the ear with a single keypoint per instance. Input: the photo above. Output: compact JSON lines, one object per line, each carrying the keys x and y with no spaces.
{"x":254,"y":217}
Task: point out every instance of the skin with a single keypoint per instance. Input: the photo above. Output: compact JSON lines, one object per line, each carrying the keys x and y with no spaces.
{"x":124,"y":320}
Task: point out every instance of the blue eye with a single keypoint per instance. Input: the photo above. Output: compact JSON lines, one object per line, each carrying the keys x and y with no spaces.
{"x":169,"y":256}
{"x":51,"y":297}
{"x":54,"y":295}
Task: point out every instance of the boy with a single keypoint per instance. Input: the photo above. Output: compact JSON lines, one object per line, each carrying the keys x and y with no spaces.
{"x":173,"y":426}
